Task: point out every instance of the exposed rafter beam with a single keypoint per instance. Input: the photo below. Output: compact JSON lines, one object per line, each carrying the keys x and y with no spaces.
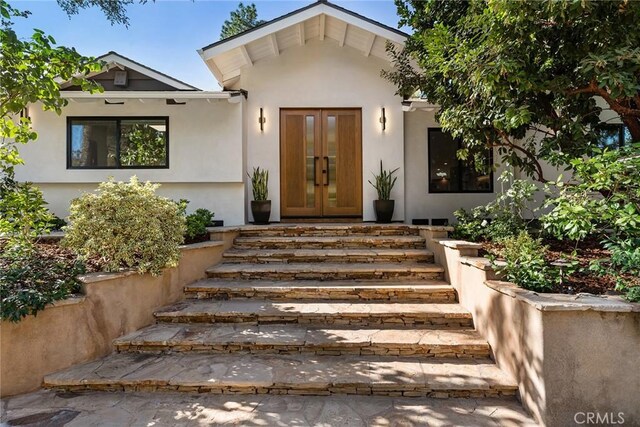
{"x":343,"y":37}
{"x":245,"y":55}
{"x":369,"y":45}
{"x":322,"y":25}
{"x":301,"y":35}
{"x":274,"y":44}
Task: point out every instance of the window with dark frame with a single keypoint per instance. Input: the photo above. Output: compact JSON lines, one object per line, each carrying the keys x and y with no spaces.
{"x":613,"y":135}
{"x":448,"y":174}
{"x":117,"y":142}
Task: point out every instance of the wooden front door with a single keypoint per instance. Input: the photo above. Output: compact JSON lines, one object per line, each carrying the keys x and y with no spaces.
{"x":321,"y":162}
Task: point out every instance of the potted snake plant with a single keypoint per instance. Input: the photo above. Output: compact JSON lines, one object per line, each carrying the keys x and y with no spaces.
{"x":383,"y":183}
{"x":260,"y":205}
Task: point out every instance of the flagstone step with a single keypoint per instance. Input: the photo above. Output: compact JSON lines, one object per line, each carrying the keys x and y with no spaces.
{"x":331,"y":242}
{"x":424,"y":290}
{"x":287,"y":374}
{"x":264,"y":256}
{"x":317,"y":313}
{"x":327,"y":271}
{"x":329,"y":230}
{"x":295,"y":339}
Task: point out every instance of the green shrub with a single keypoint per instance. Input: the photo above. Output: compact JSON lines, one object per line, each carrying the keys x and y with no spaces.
{"x":384,"y":182}
{"x":29,"y":281}
{"x":503,"y":217}
{"x":23,"y":213}
{"x":525,"y":264}
{"x":128,"y":226}
{"x":623,"y":265}
{"x":604,"y":200}
{"x":198,"y":222}
{"x":57,"y":223}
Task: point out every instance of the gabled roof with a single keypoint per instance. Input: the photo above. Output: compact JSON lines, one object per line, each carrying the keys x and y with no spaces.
{"x":321,"y":20}
{"x":114,"y":59}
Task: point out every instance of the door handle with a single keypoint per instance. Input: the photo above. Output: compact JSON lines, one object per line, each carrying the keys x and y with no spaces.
{"x":315,"y":174}
{"x":326,"y":159}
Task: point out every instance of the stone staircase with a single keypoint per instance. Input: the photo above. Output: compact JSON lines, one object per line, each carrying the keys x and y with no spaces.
{"x":308,"y":310}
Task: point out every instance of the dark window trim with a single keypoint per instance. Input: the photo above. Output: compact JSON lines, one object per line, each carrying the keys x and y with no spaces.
{"x":429,"y":191}
{"x":118,"y":120}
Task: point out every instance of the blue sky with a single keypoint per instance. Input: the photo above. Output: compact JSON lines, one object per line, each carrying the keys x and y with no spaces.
{"x":165,"y":34}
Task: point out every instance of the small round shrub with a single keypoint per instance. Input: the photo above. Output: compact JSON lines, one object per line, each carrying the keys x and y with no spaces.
{"x":126,"y":225}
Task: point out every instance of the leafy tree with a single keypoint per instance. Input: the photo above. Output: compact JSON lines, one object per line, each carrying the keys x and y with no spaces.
{"x":241,"y":19}
{"x":523,"y":76}
{"x":29,"y":72}
{"x":114,"y":10}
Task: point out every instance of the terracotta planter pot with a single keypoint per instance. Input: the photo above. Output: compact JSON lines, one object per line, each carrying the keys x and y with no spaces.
{"x":384,"y":210}
{"x":261,"y":211}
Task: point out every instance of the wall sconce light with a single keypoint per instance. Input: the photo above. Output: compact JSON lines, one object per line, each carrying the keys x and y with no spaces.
{"x":262,"y":120}
{"x":383,"y":119}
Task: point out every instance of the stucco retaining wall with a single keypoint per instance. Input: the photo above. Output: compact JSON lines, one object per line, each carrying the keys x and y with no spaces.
{"x":80,"y":329}
{"x":571,"y":354}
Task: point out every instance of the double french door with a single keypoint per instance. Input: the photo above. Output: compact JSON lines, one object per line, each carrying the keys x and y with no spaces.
{"x":321,"y":162}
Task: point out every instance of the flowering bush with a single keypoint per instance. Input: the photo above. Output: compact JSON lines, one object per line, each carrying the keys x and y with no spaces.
{"x":126,"y":225}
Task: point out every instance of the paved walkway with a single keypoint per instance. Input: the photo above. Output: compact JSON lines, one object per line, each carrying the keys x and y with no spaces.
{"x":50,"y":409}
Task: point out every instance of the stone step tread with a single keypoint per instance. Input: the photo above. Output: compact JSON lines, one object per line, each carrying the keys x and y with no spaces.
{"x":422,"y":285}
{"x":299,"y":372}
{"x":169,"y":409}
{"x":330,"y":229}
{"x":275,"y":308}
{"x":328,"y":268}
{"x":337,"y":254}
{"x":187,"y":334}
{"x":328,"y":239}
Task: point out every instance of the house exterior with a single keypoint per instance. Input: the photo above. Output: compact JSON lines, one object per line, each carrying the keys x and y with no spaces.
{"x":302,"y":97}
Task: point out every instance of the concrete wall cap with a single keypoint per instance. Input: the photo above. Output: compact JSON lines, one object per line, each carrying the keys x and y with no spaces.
{"x":435,"y":227}
{"x":565,"y":302}
{"x":457,"y":244}
{"x":200,"y":245}
{"x":75,"y":299}
{"x":481,"y":263}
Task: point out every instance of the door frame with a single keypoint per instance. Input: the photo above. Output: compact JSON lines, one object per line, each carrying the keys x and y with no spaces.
{"x":309,"y":213}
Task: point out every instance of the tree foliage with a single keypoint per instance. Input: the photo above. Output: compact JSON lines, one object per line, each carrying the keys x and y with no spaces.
{"x":29,"y":72}
{"x":523,"y":76}
{"x":114,"y":10}
{"x":241,"y":19}
{"x":30,"y":69}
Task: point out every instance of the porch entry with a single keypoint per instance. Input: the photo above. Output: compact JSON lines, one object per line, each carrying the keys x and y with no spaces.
{"x":321,"y":163}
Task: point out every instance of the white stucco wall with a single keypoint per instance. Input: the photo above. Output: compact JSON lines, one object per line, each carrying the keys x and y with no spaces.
{"x":205,"y":155}
{"x":322,"y":74}
{"x":419,"y":202}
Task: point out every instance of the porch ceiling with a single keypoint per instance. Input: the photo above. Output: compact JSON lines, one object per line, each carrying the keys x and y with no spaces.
{"x":323,"y":21}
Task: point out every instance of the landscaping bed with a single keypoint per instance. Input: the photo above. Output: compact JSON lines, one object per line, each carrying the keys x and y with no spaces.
{"x":564,"y":251}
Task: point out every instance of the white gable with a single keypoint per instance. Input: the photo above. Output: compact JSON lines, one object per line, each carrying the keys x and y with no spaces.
{"x":322,"y":20}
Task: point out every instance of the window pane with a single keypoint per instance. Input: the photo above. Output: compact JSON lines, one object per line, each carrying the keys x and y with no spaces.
{"x":93,"y":143}
{"x":443,"y":163}
{"x":447,"y":174}
{"x":474,"y":180}
{"x":609,"y":136}
{"x":143,"y":142}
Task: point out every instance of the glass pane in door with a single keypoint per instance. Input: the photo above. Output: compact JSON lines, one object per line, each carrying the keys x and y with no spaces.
{"x":332,"y":148}
{"x":310,"y":161}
